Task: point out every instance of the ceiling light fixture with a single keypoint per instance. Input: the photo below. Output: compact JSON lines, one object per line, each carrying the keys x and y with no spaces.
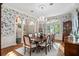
{"x":42,"y":7}
{"x":32,"y":11}
{"x":50,"y":3}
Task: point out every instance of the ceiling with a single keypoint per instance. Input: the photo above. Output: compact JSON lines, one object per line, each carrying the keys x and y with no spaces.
{"x":42,"y":9}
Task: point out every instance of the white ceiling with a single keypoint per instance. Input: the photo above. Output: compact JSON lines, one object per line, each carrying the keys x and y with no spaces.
{"x":49,"y":10}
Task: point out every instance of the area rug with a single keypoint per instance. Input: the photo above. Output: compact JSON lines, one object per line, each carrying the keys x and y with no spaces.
{"x":53,"y":52}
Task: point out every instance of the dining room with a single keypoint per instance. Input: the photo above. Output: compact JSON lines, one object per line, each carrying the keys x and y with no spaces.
{"x":38,"y":29}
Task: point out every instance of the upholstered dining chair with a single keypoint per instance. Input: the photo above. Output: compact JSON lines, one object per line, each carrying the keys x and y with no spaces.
{"x":30,"y":35}
{"x":53,"y":38}
{"x":49,"y":42}
{"x":35,"y":35}
{"x":27,"y":44}
{"x":46,"y":43}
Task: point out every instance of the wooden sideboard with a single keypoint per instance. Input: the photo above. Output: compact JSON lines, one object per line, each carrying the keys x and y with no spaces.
{"x":71,"y":49}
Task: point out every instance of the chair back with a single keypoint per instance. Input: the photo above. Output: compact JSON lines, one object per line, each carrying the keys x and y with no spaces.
{"x":48,"y":39}
{"x":30,"y":35}
{"x":53,"y":37}
{"x":44,"y":37}
{"x":26,"y":40}
{"x":36,"y":35}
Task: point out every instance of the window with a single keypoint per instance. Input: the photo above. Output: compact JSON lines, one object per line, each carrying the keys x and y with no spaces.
{"x":57,"y":27}
{"x":53,"y":27}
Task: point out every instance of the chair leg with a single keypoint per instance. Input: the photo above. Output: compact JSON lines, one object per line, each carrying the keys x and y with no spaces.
{"x":37,"y":49}
{"x":30,"y":51}
{"x":24,"y":50}
{"x":50,"y":46}
{"x":46,"y":50}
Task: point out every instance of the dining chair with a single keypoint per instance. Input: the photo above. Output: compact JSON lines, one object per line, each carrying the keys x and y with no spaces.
{"x":49,"y":42}
{"x":44,"y":43}
{"x":30,"y":35}
{"x":27,"y":44}
{"x":53,"y":38}
{"x":35,"y":35}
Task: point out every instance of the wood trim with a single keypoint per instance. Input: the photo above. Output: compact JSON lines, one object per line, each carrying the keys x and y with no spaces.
{"x":0,"y":28}
{"x":67,"y":28}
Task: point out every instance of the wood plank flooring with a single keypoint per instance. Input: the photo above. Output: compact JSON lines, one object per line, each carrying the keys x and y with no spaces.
{"x":11,"y":51}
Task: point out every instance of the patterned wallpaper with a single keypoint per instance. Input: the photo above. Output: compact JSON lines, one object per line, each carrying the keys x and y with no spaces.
{"x":7,"y":22}
{"x":63,"y":17}
{"x":8,"y":19}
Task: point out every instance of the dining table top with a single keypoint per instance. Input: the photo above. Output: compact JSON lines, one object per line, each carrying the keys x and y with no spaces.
{"x":37,"y":39}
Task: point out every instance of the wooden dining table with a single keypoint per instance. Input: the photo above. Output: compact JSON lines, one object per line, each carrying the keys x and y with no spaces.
{"x":37,"y":41}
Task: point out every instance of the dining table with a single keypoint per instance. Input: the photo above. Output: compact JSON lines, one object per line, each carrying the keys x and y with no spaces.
{"x":37,"y":41}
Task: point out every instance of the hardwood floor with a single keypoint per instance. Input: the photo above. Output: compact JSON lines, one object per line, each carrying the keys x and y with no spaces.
{"x":7,"y":50}
{"x":11,"y":51}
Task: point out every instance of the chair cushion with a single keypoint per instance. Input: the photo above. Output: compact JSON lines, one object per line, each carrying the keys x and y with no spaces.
{"x":47,"y":44}
{"x":33,"y":45}
{"x":43,"y":44}
{"x":27,"y":46}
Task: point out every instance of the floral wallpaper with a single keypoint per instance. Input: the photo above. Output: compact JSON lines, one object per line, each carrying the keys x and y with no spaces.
{"x":64,"y":17}
{"x":8,"y":25}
